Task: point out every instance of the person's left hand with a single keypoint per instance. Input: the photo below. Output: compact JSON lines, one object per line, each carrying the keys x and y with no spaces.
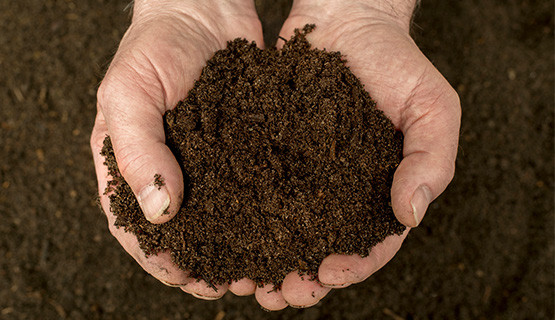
{"x":374,"y":38}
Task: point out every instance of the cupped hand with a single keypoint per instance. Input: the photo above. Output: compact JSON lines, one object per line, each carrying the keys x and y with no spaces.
{"x":159,"y":57}
{"x":374,"y":38}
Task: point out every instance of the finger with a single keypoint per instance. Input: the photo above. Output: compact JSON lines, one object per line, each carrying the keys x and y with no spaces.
{"x":134,"y":121}
{"x":243,"y":287}
{"x":301,"y":292}
{"x":269,"y":298}
{"x":200,"y":289}
{"x":339,"y":271}
{"x":160,"y":266}
{"x":430,"y":123}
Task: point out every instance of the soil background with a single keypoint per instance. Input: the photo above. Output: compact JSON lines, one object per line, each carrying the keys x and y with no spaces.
{"x":484,"y":251}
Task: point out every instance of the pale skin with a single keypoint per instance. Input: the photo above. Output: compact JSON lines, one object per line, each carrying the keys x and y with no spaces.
{"x":163,"y":52}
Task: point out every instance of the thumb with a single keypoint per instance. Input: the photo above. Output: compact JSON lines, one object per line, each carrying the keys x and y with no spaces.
{"x":431,"y":129}
{"x":135,"y":126}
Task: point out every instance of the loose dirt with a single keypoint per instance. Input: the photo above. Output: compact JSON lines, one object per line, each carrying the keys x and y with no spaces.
{"x":286,"y":160}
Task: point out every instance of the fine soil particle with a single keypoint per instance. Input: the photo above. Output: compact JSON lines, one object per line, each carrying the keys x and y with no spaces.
{"x":286,"y":160}
{"x":159,"y":181}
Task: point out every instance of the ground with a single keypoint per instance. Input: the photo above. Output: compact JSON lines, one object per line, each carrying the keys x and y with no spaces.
{"x":484,"y":251}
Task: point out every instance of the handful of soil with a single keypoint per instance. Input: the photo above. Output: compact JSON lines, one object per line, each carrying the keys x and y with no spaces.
{"x":286,"y":160}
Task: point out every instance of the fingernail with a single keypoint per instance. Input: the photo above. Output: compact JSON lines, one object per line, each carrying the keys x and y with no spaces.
{"x":340,"y":278}
{"x":304,"y":306}
{"x":420,"y":201}
{"x":171,"y":284}
{"x":198,"y":296}
{"x":335,"y":286}
{"x":154,"y":200}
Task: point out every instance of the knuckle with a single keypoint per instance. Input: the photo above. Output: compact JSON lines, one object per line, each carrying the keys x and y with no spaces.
{"x":101,"y":92}
{"x":446,"y":170}
{"x":105,"y":92}
{"x":451,"y":103}
{"x":97,"y":139}
{"x":130,"y":162}
{"x":453,"y":99}
{"x":94,"y":141}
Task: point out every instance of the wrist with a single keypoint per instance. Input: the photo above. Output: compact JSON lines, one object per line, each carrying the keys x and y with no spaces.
{"x":213,"y":19}
{"x":143,"y":8}
{"x":395,"y":11}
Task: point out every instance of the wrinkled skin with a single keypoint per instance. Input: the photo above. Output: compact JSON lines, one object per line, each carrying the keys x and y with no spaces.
{"x":164,"y":51}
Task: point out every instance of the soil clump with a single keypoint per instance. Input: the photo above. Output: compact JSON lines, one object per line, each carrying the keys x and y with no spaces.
{"x":286,"y":160}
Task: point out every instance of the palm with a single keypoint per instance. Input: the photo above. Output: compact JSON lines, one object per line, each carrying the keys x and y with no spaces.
{"x":382,"y":56}
{"x":162,"y":57}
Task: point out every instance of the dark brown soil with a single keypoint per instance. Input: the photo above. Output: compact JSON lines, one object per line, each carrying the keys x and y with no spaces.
{"x":485,"y":249}
{"x":286,"y":161}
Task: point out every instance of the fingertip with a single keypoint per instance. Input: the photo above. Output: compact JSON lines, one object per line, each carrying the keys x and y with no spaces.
{"x":242,"y":287}
{"x":336,"y":271}
{"x":341,"y":270}
{"x":270,"y":298}
{"x":302,"y":291}
{"x":202,"y":290}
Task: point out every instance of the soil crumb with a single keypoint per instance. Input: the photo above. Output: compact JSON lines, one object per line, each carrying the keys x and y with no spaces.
{"x":286,"y":160}
{"x":159,"y":181}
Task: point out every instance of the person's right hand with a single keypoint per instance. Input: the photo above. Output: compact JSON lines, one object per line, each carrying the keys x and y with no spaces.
{"x":159,"y":57}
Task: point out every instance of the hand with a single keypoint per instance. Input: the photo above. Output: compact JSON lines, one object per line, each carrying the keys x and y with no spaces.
{"x":158,"y":59}
{"x":374,"y":38}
